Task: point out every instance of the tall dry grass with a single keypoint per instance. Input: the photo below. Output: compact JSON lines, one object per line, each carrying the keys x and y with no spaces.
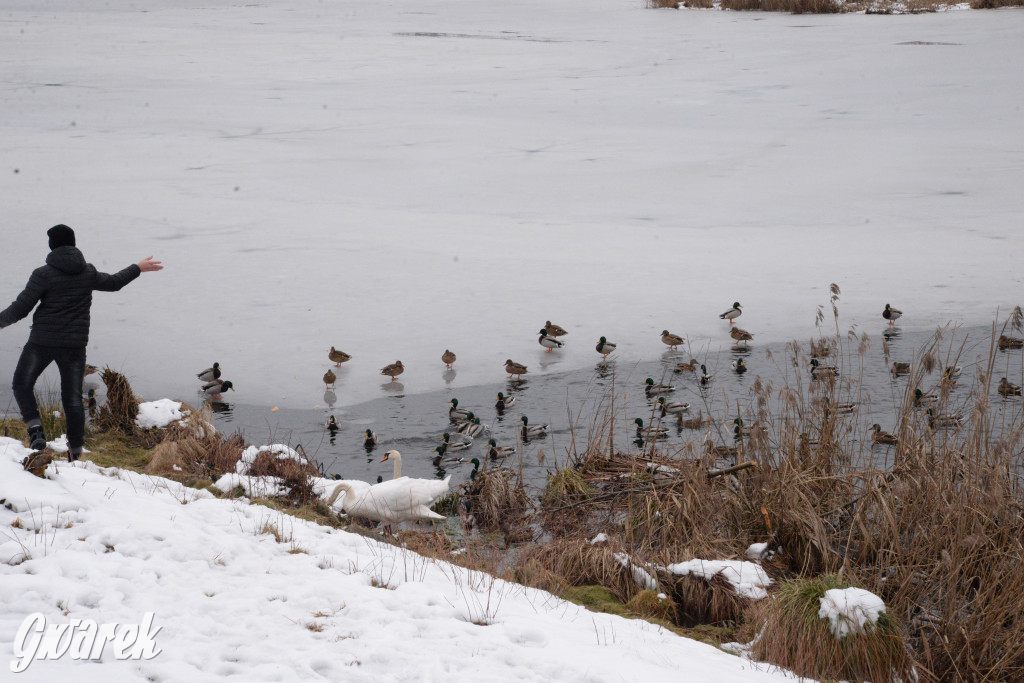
{"x":933,"y":525}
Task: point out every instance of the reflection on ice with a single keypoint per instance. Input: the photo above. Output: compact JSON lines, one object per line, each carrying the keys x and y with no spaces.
{"x":448,"y":376}
{"x":330,"y":398}
{"x":393,"y":387}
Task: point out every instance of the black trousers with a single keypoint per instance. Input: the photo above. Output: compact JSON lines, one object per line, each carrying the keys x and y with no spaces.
{"x":71,"y":363}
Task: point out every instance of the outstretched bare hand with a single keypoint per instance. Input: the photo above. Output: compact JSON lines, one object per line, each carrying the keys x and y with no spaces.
{"x":148,"y":265}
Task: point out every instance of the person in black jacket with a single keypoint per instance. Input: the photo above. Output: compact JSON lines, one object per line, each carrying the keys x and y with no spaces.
{"x":60,"y":330}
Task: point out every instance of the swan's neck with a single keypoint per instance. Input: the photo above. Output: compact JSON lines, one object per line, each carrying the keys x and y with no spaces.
{"x":398,"y":466}
{"x":337,"y":492}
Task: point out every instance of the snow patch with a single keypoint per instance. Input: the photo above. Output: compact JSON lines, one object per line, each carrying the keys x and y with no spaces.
{"x":250,"y":454}
{"x":160,"y":413}
{"x":850,"y":610}
{"x":748,"y":579}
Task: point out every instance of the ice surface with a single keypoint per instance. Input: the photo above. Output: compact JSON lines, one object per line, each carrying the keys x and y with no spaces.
{"x":400,"y":178}
{"x":850,"y":610}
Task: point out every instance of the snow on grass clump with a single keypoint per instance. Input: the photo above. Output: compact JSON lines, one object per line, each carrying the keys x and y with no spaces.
{"x":748,"y":579}
{"x":250,"y":454}
{"x":850,"y":610}
{"x":159,"y":414}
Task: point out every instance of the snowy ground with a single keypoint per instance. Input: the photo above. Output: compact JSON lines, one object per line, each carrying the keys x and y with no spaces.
{"x":236,"y":604}
{"x":399,"y":177}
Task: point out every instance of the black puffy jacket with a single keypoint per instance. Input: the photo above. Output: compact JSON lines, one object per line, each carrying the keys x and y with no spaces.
{"x":63,"y":289}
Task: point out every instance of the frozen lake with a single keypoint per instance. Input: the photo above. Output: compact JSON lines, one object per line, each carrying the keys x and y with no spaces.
{"x":397,"y":178}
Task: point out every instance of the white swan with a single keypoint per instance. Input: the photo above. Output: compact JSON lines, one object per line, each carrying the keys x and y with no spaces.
{"x":398,"y":500}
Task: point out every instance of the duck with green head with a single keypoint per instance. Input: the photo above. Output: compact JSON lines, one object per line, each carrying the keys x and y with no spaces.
{"x":605,"y":347}
{"x":891,"y":314}
{"x":548,"y":342}
{"x":210,"y":373}
{"x":672,"y":407}
{"x":370,"y":439}
{"x":215,"y":388}
{"x":455,"y":413}
{"x":504,"y":402}
{"x":733,"y":313}
{"x":496,"y":452}
{"x":738,"y":366}
{"x":819,"y":371}
{"x":649,"y":432}
{"x":528,"y":431}
{"x":652,"y":388}
{"x":459,"y":442}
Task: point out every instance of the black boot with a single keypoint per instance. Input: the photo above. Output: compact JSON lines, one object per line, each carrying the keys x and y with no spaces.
{"x":36,"y":438}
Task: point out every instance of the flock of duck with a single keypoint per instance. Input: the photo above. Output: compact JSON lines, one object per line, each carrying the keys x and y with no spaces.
{"x":405,"y":498}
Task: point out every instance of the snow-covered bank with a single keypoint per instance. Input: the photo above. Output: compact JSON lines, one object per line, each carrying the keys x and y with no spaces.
{"x":399,"y":178}
{"x":322,"y":605}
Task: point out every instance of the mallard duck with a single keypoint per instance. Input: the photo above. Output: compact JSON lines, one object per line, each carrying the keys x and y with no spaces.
{"x":737,"y":429}
{"x":549,"y":343}
{"x":528,"y":431}
{"x":455,"y":413}
{"x":393,"y":370}
{"x":464,"y":423}
{"x":217,"y":386}
{"x":554,"y":330}
{"x":441,"y":451}
{"x":496,"y":452}
{"x":473,"y":427}
{"x":740,"y":336}
{"x":891,"y":314}
{"x":476,"y":468}
{"x":900,"y":369}
{"x":338,"y":357}
{"x":819,"y":371}
{"x":733,"y":313}
{"x":605,"y":347}
{"x":92,"y":369}
{"x":210,"y":374}
{"x":370,"y":439}
{"x":504,"y":402}
{"x":1005,"y":388}
{"x":924,"y":399}
{"x":332,"y":424}
{"x":882,"y":437}
{"x":951,"y":372}
{"x":92,"y":401}
{"x":513,"y":368}
{"x":448,"y":358}
{"x":694,"y":422}
{"x":644,"y":433}
{"x":944,"y":420}
{"x":687,"y":367}
{"x":671,"y":340}
{"x":722,"y":451}
{"x":672,"y":408}
{"x":738,"y":366}
{"x":705,"y":378}
{"x":840,"y":408}
{"x":1006,"y":342}
{"x":460,"y":442}
{"x":330,"y":378}
{"x":400,"y":499}
{"x":651,"y":388}
{"x":821,"y":348}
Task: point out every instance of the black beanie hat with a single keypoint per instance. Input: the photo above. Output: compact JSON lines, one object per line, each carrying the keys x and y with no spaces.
{"x":61,"y":236}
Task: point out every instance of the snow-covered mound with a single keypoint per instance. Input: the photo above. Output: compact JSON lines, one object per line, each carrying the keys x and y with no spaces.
{"x":159,"y":413}
{"x":747,"y":578}
{"x":850,"y":610}
{"x":231,"y":601}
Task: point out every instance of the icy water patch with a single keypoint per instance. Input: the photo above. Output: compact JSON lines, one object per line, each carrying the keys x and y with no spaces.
{"x":573,"y":402}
